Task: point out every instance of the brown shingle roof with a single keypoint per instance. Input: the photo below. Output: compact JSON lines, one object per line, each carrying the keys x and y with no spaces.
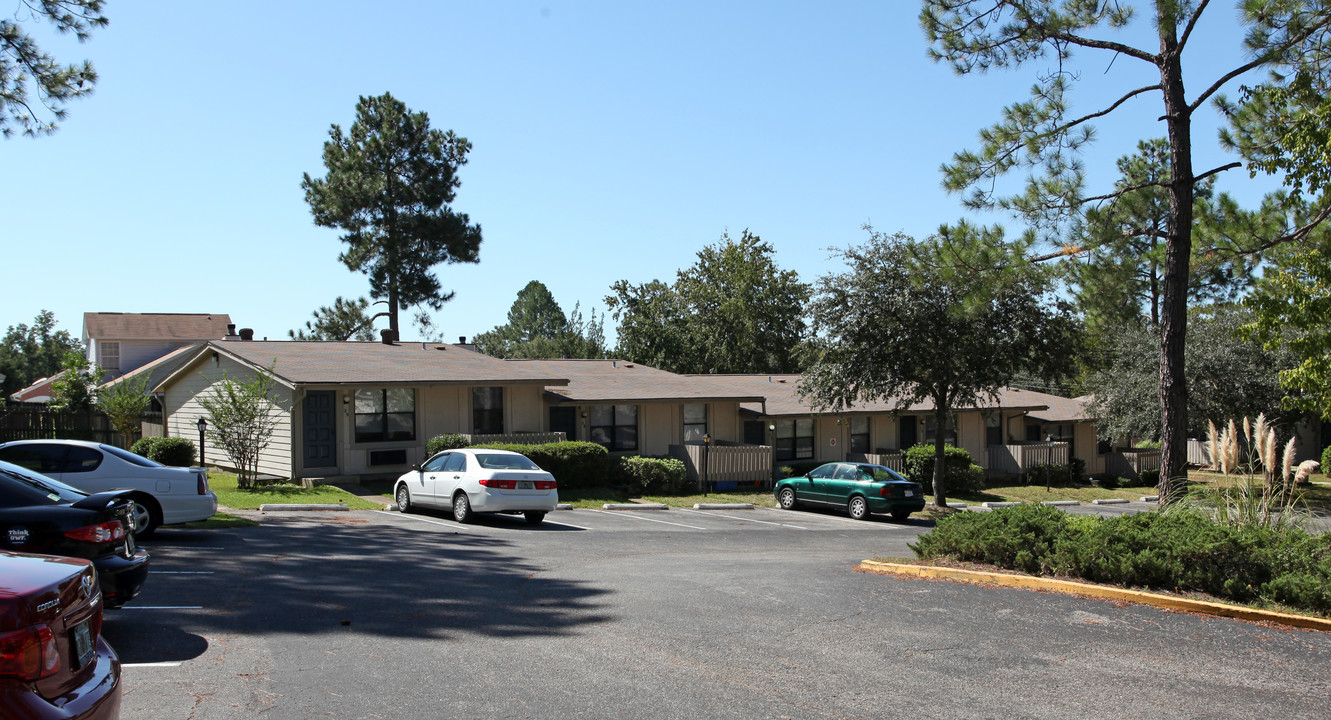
{"x":311,"y":363}
{"x":605,"y":381}
{"x":782,"y":398}
{"x":155,"y":326}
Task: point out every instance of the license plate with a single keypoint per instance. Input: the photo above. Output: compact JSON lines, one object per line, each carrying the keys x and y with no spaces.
{"x":910,"y":493}
{"x":525,"y":485}
{"x":83,"y":649}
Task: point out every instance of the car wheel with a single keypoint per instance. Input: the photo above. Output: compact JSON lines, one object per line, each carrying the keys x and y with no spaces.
{"x":144,"y":518}
{"x":900,"y":514}
{"x":858,"y":507}
{"x":403,"y":499}
{"x":786,"y":498}
{"x":534,"y":516}
{"x":462,"y":508}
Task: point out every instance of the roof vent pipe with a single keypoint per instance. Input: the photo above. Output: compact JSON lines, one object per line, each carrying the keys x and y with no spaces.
{"x":462,"y":340}
{"x":388,"y":336}
{"x":247,"y":334}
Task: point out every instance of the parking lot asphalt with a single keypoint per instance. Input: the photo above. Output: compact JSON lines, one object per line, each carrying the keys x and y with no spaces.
{"x":658,"y":614}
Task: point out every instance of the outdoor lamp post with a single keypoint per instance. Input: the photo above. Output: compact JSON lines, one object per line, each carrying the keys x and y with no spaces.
{"x":703,"y":478}
{"x":203,"y":425}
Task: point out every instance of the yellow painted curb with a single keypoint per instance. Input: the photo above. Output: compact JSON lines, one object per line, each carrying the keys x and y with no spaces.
{"x":1031,"y":582}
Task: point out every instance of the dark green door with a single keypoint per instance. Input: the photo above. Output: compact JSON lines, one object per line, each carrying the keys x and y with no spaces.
{"x":565,"y":420}
{"x":909,"y":432}
{"x":320,"y":429}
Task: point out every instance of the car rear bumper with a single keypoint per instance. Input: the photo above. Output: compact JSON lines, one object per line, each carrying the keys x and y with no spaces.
{"x":882,"y":505}
{"x":187,"y":508}
{"x":501,"y":501}
{"x":96,"y":699}
{"x":121,"y":578}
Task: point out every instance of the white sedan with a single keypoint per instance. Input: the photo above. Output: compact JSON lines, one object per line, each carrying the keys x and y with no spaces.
{"x":164,"y":495}
{"x":471,"y":481}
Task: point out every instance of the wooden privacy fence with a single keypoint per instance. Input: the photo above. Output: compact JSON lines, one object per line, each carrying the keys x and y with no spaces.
{"x":726,"y":466}
{"x":516,"y":438}
{"x":36,"y":421}
{"x":1131,"y":463}
{"x":1197,"y":453}
{"x":891,"y":461}
{"x":1021,"y":459}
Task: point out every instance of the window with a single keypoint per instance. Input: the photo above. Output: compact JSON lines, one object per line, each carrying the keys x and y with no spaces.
{"x":695,"y":423}
{"x":931,"y":431}
{"x":847,"y":472}
{"x":108,"y":356}
{"x":823,"y":472}
{"x":794,"y":439}
{"x":436,"y":463}
{"x":487,"y":410}
{"x":384,"y":415}
{"x":615,"y":426}
{"x":457,"y":462}
{"x":859,"y":435}
{"x":993,"y":429}
{"x":1061,"y":432}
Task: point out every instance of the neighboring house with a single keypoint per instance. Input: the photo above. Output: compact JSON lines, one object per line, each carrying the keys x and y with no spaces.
{"x":38,"y":392}
{"x":120,"y":342}
{"x":358,"y":408}
{"x":996,"y":434}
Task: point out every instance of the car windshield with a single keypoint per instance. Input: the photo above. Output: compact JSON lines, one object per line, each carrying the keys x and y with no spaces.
{"x":495,"y":461}
{"x":50,"y":487}
{"x":129,"y":457}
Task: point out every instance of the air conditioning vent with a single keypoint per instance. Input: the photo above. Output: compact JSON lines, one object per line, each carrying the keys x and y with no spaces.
{"x":388,"y":457}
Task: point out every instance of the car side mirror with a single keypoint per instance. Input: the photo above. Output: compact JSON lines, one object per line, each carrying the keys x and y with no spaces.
{"x":418,"y":468}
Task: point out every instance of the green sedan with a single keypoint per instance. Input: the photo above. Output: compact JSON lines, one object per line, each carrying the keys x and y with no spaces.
{"x":859,"y":487}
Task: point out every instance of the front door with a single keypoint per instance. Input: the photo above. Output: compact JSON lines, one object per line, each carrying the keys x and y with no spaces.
{"x":909,"y":432}
{"x":565,"y":420}
{"x":320,"y":423}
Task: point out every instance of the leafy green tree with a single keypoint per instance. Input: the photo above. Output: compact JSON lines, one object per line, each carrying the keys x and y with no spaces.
{"x":538,"y":328}
{"x":73,"y":390}
{"x":1040,"y":135}
{"x":29,"y":353}
{"x":1228,"y":377}
{"x":345,"y":320}
{"x":242,"y":415}
{"x":896,"y":330}
{"x":389,"y":184}
{"x":124,"y":402}
{"x":1292,"y":311}
{"x":24,"y":66}
{"x":732,"y":311}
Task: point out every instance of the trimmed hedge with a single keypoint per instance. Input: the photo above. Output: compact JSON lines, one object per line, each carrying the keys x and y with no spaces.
{"x":959,"y":472}
{"x":172,"y":451}
{"x":1178,"y":550}
{"x":440,"y":443}
{"x":655,"y":475}
{"x":574,"y":464}
{"x":1326,"y":460}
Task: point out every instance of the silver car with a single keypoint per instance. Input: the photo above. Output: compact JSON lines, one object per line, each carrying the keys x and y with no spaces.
{"x":164,"y":495}
{"x":470,"y":481}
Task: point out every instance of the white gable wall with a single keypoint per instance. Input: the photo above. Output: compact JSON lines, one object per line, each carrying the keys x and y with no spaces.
{"x":182,"y":411}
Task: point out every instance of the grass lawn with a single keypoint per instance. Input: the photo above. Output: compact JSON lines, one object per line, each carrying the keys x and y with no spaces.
{"x":219,"y":521}
{"x":224,"y":484}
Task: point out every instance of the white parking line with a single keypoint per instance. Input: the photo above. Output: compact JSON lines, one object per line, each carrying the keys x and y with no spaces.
{"x":620,"y":513}
{"x":713,"y":513}
{"x":180,"y":547}
{"x":161,"y":607}
{"x":156,"y":664}
{"x":562,"y":524}
{"x":180,"y":572}
{"x":455,"y":526}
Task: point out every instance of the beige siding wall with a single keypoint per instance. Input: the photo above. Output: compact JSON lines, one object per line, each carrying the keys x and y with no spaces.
{"x":181,"y":412}
{"x":524,"y":409}
{"x":659,"y":427}
{"x":1084,"y":446}
{"x":970,"y":435}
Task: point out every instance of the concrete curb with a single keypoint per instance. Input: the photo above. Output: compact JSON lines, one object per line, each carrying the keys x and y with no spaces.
{"x":635,"y":506}
{"x":1150,"y":498}
{"x":999,"y":504}
{"x":1111,"y":501}
{"x":564,"y":506}
{"x":1030,"y":582}
{"x":723,"y":506}
{"x":338,"y":507}
{"x":1061,"y":503}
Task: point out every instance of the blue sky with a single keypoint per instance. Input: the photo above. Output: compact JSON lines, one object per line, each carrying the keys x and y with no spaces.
{"x":611,"y":141}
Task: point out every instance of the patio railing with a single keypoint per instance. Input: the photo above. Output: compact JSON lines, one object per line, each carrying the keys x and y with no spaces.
{"x":891,"y":461}
{"x":1131,"y":463}
{"x":1021,"y":459}
{"x":727,"y":466}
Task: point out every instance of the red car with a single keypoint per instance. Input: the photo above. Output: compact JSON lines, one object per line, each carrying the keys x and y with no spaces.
{"x":53,"y":660}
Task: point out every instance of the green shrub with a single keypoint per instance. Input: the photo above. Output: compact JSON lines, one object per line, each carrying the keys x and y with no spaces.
{"x":440,"y":443}
{"x":1021,"y":538}
{"x":663,"y":475}
{"x":959,"y":473}
{"x":799,"y":469}
{"x":1078,"y":471}
{"x":173,"y":451}
{"x":574,"y":464}
{"x":1326,"y":460}
{"x":1054,"y":475}
{"x":1107,"y":481}
{"x":1149,"y":478}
